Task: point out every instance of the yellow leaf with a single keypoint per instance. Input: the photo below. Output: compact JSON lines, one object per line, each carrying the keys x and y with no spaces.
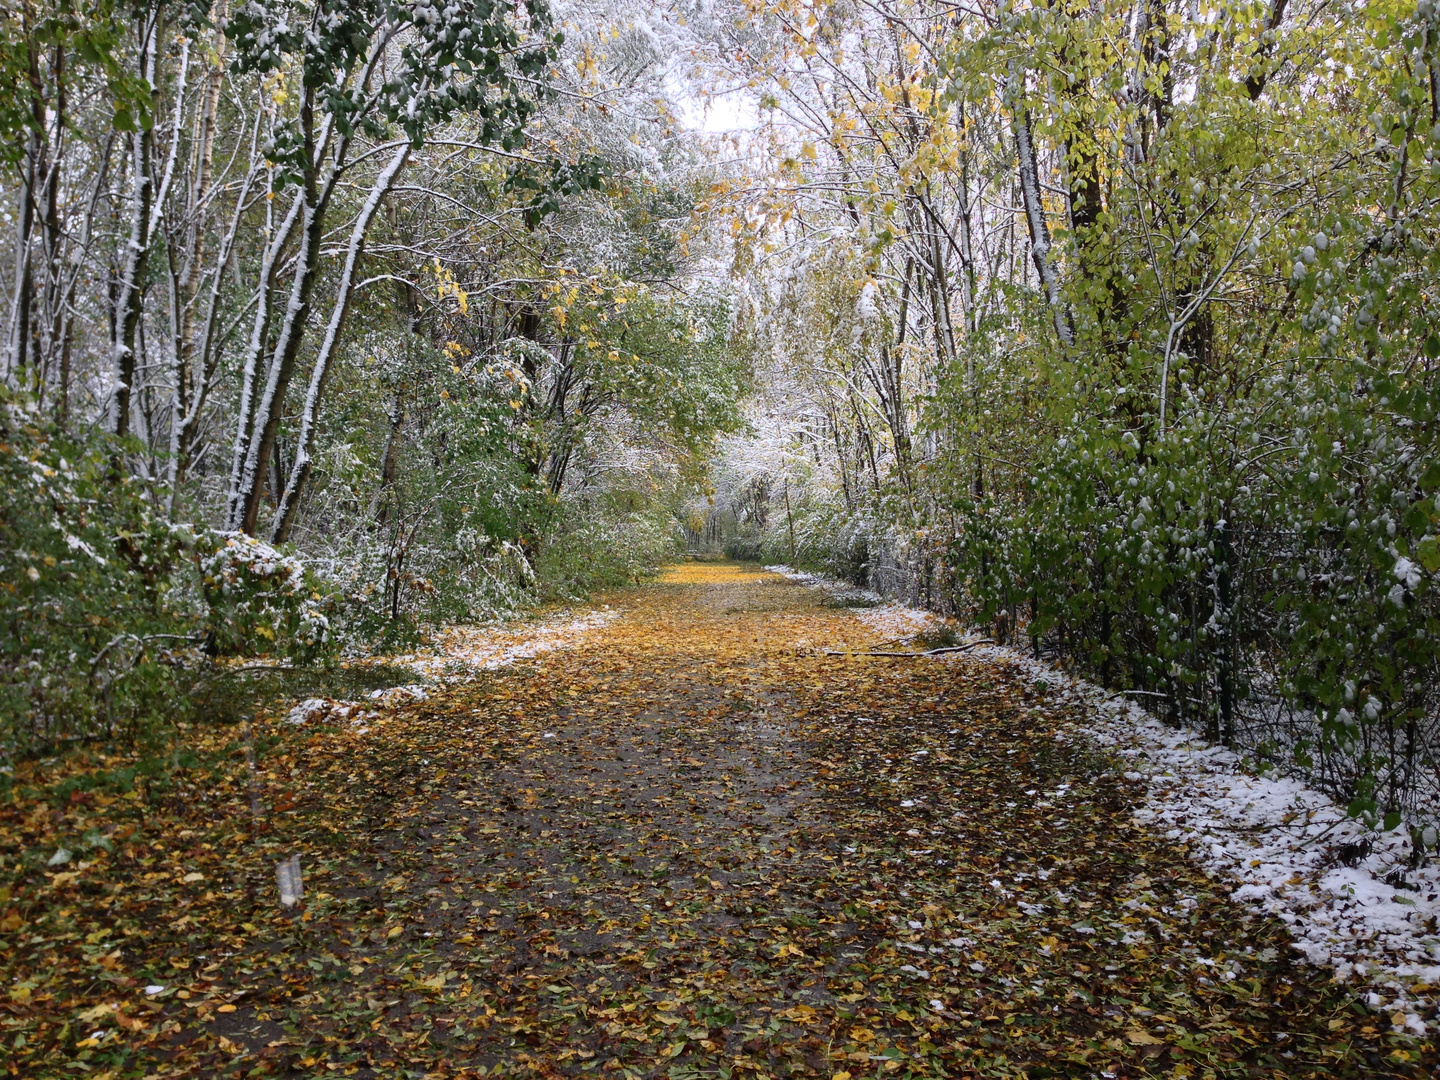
{"x":192,"y":877}
{"x":861,"y":1035}
{"x":96,"y":1013}
{"x":226,"y":1008}
{"x":1143,"y":1038}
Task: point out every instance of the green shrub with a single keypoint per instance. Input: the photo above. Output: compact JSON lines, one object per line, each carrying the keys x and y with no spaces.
{"x":109,"y":612}
{"x":600,"y":542}
{"x":99,"y":610}
{"x":258,"y":599}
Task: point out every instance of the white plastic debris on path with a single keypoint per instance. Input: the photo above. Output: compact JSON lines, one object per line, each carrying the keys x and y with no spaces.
{"x":1291,"y":850}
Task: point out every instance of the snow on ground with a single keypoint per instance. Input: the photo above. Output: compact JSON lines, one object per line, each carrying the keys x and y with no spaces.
{"x":455,"y":654}
{"x":1345,"y":891}
{"x":893,"y":622}
{"x":358,"y":714}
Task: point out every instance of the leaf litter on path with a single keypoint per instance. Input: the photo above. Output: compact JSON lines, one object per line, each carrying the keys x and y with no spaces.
{"x":692,"y":845}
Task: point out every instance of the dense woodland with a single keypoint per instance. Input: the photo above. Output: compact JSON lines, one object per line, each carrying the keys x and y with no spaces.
{"x":328,"y":323}
{"x":1110,"y":328}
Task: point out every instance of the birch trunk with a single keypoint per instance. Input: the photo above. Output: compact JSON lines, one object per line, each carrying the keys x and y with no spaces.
{"x":390,"y":464}
{"x":53,"y":235}
{"x":277,"y":238}
{"x":137,"y":250}
{"x":188,"y":381}
{"x":19,"y":343}
{"x":280,"y":369}
{"x":259,"y":421}
{"x":287,"y":503}
{"x":1029,"y":174}
{"x":259,"y":336}
{"x":75,"y":267}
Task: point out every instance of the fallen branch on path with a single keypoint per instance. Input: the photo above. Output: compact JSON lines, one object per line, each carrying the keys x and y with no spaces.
{"x":928,"y":652}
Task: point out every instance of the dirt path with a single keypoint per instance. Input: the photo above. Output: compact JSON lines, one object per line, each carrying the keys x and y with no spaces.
{"x":697,"y":846}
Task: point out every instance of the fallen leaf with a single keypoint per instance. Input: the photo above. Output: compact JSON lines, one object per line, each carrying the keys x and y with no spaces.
{"x":1143,"y":1038}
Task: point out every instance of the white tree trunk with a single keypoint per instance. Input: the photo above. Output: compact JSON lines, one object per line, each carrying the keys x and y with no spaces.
{"x":1029,"y":170}
{"x":255,"y":350}
{"x":288,"y":502}
{"x":137,"y":248}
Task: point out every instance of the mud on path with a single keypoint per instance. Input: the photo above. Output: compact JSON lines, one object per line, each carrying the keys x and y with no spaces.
{"x":697,"y":846}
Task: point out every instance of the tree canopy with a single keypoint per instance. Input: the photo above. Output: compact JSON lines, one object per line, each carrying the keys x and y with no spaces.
{"x":1110,"y":327}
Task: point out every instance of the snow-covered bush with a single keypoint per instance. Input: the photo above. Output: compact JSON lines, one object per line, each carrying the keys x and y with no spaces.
{"x":1267,"y":571}
{"x":107,"y":610}
{"x":99,"y":610}
{"x":262,"y":601}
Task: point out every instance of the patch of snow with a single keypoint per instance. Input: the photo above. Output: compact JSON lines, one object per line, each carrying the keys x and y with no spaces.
{"x":1292,"y":851}
{"x":307,"y":710}
{"x":457,"y":653}
{"x":896,"y":621}
{"x":329,"y":710}
{"x":893,"y":622}
{"x":400,"y":695}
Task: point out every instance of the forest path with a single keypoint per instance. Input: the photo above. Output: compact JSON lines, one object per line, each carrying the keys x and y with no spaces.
{"x":695,"y":845}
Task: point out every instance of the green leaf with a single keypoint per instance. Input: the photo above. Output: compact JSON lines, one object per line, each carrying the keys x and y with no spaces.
{"x":1359,"y":806}
{"x":1428,"y":552}
{"x":1392,"y":820}
{"x":1417,"y":518}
